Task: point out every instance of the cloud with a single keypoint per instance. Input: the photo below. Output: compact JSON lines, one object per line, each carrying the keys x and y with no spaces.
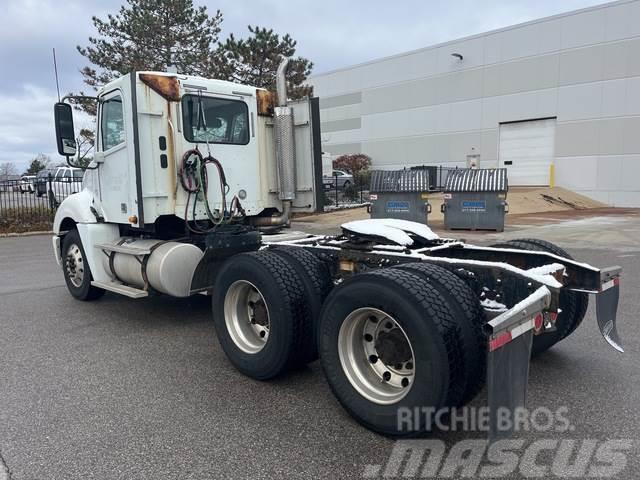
{"x":26,"y":125}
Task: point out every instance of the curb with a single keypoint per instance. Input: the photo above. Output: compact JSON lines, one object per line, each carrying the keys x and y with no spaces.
{"x":26,"y":234}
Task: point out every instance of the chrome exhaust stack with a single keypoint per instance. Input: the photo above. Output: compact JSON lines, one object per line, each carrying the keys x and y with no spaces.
{"x":285,"y":152}
{"x":285,"y":145}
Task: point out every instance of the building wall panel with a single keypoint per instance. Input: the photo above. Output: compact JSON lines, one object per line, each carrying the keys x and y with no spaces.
{"x":427,"y":107}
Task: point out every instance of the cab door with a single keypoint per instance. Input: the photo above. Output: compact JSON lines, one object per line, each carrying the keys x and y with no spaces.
{"x":114,"y":147}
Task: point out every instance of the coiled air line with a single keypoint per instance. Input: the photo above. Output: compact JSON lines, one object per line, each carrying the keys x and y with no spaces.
{"x":194,"y":179}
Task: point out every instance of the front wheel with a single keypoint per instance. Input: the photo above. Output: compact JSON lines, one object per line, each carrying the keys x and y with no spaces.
{"x":75,"y":268}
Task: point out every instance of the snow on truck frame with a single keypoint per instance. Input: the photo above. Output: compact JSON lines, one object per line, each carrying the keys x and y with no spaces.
{"x":189,"y":181}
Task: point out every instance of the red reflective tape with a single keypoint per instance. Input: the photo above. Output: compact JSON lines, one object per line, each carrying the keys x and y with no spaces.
{"x":616,"y":281}
{"x":538,"y":322}
{"x":499,"y":341}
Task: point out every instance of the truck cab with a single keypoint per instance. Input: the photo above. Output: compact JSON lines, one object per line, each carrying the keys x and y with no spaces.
{"x":148,"y":122}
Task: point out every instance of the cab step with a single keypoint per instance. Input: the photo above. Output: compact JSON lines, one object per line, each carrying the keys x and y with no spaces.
{"x":124,"y":248}
{"x":122,"y":289}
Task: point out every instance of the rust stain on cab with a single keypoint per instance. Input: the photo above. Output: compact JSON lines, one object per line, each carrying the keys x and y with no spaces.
{"x":266,"y":102}
{"x":166,"y":86}
{"x":172,"y":179}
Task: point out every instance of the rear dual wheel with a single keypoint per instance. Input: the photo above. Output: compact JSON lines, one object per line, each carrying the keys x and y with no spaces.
{"x":265,"y":309}
{"x":389,"y":342}
{"x":573,"y":305}
{"x":470,"y":319}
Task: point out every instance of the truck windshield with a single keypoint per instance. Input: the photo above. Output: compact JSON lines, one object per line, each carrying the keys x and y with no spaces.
{"x":215,"y":120}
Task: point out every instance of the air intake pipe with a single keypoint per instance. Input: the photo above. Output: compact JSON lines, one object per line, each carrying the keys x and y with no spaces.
{"x":285,"y":151}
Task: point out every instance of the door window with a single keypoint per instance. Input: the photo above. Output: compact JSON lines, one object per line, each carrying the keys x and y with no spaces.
{"x":112,"y":123}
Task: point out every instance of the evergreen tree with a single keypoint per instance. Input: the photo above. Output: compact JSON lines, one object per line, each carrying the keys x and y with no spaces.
{"x":254,"y":61}
{"x":151,"y":35}
{"x":40,"y":162}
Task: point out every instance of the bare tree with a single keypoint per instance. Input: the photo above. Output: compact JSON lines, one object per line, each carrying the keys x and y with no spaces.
{"x":7,"y":169}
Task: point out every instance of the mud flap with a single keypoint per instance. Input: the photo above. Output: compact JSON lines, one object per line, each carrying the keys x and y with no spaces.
{"x":507,"y":379}
{"x":606,"y":310}
{"x":509,"y":353}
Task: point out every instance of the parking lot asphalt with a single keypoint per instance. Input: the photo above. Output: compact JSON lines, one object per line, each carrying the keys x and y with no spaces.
{"x":122,"y":388}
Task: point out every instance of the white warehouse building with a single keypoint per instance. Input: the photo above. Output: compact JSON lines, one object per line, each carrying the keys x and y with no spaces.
{"x":556,"y":101}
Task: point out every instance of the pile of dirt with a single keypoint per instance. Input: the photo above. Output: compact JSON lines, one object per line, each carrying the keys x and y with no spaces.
{"x":546,"y":199}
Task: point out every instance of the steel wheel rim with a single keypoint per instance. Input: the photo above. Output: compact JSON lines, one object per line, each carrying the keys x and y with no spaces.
{"x":74,"y":265}
{"x":246,"y":316}
{"x":379,"y":374}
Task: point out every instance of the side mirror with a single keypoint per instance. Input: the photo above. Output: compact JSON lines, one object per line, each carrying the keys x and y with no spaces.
{"x":65,"y":136}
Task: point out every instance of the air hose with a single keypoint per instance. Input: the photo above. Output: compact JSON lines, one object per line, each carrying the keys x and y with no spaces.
{"x":194,"y":179}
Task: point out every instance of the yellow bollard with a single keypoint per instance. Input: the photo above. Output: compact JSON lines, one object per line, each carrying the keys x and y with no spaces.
{"x":552,"y":175}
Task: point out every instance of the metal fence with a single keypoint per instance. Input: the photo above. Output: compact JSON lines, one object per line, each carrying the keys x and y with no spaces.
{"x":352,"y":191}
{"x":27,"y":205}
{"x":437,"y":176}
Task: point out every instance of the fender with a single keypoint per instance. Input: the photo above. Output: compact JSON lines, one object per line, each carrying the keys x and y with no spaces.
{"x":76,"y":207}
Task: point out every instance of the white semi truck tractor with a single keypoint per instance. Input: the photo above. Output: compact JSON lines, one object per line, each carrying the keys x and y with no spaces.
{"x":190,"y":182}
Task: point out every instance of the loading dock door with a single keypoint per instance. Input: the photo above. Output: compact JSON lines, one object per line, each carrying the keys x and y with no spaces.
{"x":527,"y":151}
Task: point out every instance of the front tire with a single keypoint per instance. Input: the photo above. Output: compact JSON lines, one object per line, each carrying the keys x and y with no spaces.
{"x":76,"y":270}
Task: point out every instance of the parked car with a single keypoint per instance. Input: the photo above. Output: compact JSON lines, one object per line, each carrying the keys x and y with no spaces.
{"x":26,"y":184}
{"x":343,"y":179}
{"x":42,"y":180}
{"x":66,"y":181}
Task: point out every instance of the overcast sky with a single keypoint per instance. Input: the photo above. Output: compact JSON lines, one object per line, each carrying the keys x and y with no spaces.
{"x":332,"y":33}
